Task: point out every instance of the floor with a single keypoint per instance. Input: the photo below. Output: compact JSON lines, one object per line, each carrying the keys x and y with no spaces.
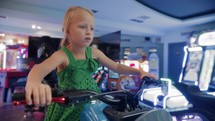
{"x":9,"y":112}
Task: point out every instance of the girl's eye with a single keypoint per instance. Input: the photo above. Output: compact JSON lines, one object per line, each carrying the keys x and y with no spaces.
{"x":86,"y":27}
{"x":82,"y":26}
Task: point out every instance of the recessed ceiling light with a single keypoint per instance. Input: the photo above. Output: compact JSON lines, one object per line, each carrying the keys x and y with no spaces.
{"x":33,"y":26}
{"x":144,"y":17}
{"x":136,"y":20}
{"x":1,"y":16}
{"x":36,"y":27}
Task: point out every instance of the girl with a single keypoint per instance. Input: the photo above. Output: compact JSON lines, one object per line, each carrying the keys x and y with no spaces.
{"x":75,"y":63}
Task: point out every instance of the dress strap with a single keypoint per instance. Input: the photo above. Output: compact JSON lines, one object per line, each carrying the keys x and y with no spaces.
{"x":68,"y":53}
{"x":89,"y":52}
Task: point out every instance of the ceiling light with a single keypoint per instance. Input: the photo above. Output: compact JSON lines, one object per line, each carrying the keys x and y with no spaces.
{"x":2,"y":34}
{"x":4,"y":17}
{"x":36,"y":27}
{"x":144,"y":17}
{"x":33,"y":26}
{"x":136,"y":20}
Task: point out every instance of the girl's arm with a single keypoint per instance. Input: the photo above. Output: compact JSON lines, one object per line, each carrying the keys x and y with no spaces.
{"x":119,"y":68}
{"x":41,"y":92}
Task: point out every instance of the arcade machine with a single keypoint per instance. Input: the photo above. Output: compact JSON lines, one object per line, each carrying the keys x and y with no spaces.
{"x":126,"y":82}
{"x":130,"y":82}
{"x":199,"y":61}
{"x":206,"y":79}
{"x":154,"y":92}
{"x":135,"y":60}
{"x":2,"y":56}
{"x":191,"y":69}
{"x":198,"y":68}
{"x":113,"y":80}
{"x":101,"y":77}
{"x":161,"y":93}
{"x":10,"y":74}
{"x":154,"y":62}
{"x":201,"y":95}
{"x":2,"y":64}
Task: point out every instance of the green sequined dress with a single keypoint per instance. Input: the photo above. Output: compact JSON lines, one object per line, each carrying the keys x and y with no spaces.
{"x":77,"y":75}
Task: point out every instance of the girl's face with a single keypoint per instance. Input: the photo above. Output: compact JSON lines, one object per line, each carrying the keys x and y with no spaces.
{"x":81,"y":29}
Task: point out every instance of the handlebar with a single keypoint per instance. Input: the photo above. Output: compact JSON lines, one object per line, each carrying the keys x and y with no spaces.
{"x":74,"y":97}
{"x":67,"y":97}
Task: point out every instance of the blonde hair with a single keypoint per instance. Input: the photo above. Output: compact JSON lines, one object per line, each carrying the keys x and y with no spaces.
{"x":67,"y":21}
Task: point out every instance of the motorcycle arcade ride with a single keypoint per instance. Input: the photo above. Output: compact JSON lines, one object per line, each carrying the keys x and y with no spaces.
{"x":109,"y":106}
{"x":162,"y":94}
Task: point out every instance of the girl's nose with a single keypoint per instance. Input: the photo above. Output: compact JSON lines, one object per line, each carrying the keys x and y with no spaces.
{"x":89,"y":30}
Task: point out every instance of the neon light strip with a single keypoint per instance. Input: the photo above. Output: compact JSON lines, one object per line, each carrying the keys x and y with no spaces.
{"x":4,"y":59}
{"x":195,"y":49}
{"x":184,"y":62}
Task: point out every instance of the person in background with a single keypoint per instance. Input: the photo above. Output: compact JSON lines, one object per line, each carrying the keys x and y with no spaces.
{"x":75,"y":62}
{"x":44,"y":51}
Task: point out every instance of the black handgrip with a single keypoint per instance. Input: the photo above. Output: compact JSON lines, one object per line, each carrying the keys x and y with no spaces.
{"x":18,"y":96}
{"x":149,"y":80}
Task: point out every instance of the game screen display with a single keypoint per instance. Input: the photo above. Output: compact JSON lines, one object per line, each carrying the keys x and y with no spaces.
{"x":131,"y":63}
{"x":207,"y":69}
{"x":129,"y":82}
{"x":113,"y":75}
{"x":192,"y":68}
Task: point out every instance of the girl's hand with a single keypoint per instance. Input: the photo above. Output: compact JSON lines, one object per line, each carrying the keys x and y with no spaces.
{"x":41,"y":94}
{"x":143,"y":74}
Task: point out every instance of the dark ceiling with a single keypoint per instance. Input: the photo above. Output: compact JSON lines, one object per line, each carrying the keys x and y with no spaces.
{"x":181,"y":9}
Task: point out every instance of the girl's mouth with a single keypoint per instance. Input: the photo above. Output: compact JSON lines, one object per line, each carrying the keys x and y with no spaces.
{"x":88,"y":39}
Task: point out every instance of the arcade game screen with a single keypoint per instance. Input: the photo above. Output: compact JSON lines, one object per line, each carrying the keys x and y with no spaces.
{"x":131,"y":63}
{"x":192,"y":67}
{"x":113,"y":78}
{"x":207,"y":69}
{"x":113,"y":75}
{"x":130,"y":82}
{"x":212,"y":83}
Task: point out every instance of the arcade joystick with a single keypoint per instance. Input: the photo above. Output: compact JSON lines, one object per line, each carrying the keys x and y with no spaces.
{"x":148,"y":81}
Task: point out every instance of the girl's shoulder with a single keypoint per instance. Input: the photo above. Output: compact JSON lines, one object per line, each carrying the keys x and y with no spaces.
{"x":94,"y":50}
{"x":62,"y":58}
{"x":96,"y":53}
{"x":59,"y":54}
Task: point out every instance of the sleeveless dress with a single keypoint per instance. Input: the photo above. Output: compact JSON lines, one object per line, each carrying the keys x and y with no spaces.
{"x":77,"y":75}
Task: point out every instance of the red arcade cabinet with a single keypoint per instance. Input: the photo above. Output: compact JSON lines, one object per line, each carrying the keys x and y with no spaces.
{"x":9,"y":72}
